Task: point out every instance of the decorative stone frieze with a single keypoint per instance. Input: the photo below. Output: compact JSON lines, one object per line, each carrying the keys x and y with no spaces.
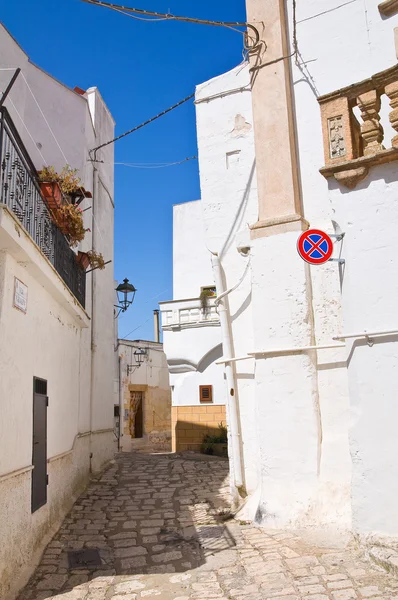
{"x":351,"y":148}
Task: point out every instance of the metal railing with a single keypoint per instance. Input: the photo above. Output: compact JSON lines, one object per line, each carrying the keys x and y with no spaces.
{"x":20,"y":192}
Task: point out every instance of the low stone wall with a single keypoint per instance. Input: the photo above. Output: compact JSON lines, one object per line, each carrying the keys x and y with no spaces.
{"x":191,"y":423}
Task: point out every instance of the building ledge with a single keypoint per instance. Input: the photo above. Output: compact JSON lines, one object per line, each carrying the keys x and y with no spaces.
{"x":17,"y":242}
{"x":350,"y":172}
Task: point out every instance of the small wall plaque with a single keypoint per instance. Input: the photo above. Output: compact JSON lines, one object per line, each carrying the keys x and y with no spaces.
{"x":20,"y":295}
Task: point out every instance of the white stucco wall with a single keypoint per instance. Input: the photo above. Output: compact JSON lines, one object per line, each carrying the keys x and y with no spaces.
{"x":191,"y":259}
{"x":229,"y":199}
{"x":54,"y":339}
{"x":191,"y":339}
{"x":363,"y":45}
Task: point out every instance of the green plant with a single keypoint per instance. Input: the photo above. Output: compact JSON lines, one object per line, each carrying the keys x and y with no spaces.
{"x":96,"y":260}
{"x":207,"y":449}
{"x":69,"y":219}
{"x":220,"y":438}
{"x":205,"y":294}
{"x":68,"y":180}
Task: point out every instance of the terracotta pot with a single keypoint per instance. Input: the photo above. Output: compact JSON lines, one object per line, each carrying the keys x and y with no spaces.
{"x":52,"y":194}
{"x":83,"y":259}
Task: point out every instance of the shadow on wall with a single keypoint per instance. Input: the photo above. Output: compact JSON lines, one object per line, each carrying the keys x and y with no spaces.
{"x":189,"y":436}
{"x":238,"y":220}
{"x":146,"y":515}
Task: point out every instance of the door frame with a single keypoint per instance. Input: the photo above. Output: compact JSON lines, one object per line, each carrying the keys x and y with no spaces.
{"x":39,"y":395}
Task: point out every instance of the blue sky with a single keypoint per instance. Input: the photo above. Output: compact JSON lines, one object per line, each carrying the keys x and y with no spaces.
{"x":141,"y":69}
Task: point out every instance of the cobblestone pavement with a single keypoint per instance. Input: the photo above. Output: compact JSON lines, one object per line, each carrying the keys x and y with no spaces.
{"x":155,"y":520}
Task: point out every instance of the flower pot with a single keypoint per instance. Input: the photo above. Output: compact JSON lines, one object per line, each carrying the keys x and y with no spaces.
{"x":83,"y":260}
{"x":52,"y":194}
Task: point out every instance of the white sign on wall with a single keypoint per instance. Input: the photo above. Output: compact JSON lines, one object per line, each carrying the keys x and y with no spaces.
{"x":20,"y":295}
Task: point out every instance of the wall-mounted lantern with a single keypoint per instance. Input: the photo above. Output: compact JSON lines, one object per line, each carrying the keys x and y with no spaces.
{"x":139,"y":357}
{"x":125,"y":296}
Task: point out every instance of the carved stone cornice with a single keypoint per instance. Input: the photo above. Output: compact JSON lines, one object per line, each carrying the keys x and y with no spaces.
{"x":388,"y":7}
{"x":351,"y":172}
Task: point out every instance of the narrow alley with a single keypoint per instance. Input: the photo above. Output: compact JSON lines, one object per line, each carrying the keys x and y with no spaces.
{"x":157,"y":526}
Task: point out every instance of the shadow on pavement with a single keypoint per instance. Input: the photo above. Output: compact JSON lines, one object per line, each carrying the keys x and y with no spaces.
{"x":147,"y":514}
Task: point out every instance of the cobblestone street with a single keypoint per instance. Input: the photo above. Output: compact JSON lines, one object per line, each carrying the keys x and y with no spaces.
{"x":156,"y":521}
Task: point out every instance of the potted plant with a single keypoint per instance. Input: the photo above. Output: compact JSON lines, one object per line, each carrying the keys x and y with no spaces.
{"x":205,"y":294}
{"x":69,"y":219}
{"x":67,"y":183}
{"x":50,"y":188}
{"x":92,"y":259}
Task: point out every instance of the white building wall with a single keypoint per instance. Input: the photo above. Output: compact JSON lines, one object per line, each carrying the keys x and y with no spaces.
{"x":362,"y":45}
{"x":229,"y":199}
{"x":191,"y":259}
{"x":54,"y":339}
{"x":191,"y":339}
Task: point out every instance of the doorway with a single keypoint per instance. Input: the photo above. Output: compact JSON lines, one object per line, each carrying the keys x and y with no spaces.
{"x":136,"y":414}
{"x":39,"y":444}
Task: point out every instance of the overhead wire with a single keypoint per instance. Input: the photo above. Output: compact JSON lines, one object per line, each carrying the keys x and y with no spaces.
{"x":168,"y":16}
{"x":294,"y":44}
{"x":155,"y":165}
{"x":145,"y":322}
{"x":147,"y":122}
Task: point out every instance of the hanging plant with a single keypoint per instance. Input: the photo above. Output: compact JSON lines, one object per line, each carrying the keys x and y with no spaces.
{"x":92,"y":259}
{"x":205,"y":294}
{"x":68,"y":180}
{"x":69,"y":219}
{"x":96,"y":260}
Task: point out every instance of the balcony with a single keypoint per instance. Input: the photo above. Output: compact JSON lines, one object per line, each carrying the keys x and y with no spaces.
{"x":352,"y":147}
{"x":183,"y":314}
{"x":20,"y":192}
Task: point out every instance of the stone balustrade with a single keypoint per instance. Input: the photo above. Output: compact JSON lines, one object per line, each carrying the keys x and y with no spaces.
{"x":351,"y":148}
{"x":186,"y":313}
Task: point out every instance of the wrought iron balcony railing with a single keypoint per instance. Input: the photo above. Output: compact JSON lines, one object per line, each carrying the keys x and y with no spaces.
{"x":20,"y":192}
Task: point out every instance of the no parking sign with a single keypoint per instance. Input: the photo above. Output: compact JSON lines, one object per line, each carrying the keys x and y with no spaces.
{"x":315,"y":246}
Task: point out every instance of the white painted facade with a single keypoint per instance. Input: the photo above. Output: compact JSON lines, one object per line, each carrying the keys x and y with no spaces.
{"x":317,"y":427}
{"x":191,"y":336}
{"x":57,"y":340}
{"x":324,"y":418}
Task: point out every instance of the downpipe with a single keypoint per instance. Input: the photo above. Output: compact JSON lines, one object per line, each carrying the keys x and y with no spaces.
{"x":230,"y":374}
{"x":93,"y":309}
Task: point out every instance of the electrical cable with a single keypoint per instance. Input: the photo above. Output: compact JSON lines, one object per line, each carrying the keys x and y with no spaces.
{"x":276,"y":60}
{"x":155,"y":165}
{"x":119,"y":137}
{"x":169,"y":16}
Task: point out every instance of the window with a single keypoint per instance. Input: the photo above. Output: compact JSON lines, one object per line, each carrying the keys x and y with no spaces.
{"x":206,"y":393}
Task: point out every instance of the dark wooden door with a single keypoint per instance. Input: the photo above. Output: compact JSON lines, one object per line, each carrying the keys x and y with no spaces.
{"x":39,"y":445}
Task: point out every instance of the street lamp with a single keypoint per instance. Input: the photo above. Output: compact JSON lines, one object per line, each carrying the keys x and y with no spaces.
{"x":125,"y":295}
{"x":139,"y":357}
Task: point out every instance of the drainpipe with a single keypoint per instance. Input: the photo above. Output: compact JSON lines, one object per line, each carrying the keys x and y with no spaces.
{"x":156,"y":325}
{"x":230,"y":373}
{"x":93,"y":307}
{"x":121,"y":411}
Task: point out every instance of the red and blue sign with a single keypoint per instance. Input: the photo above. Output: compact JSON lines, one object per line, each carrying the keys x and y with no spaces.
{"x":315,"y":246}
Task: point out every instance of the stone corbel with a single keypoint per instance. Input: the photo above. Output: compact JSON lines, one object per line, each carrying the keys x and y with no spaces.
{"x":351,"y":177}
{"x":388,"y":7}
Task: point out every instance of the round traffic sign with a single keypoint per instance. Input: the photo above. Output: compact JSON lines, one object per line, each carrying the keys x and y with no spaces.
{"x":315,"y":246}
